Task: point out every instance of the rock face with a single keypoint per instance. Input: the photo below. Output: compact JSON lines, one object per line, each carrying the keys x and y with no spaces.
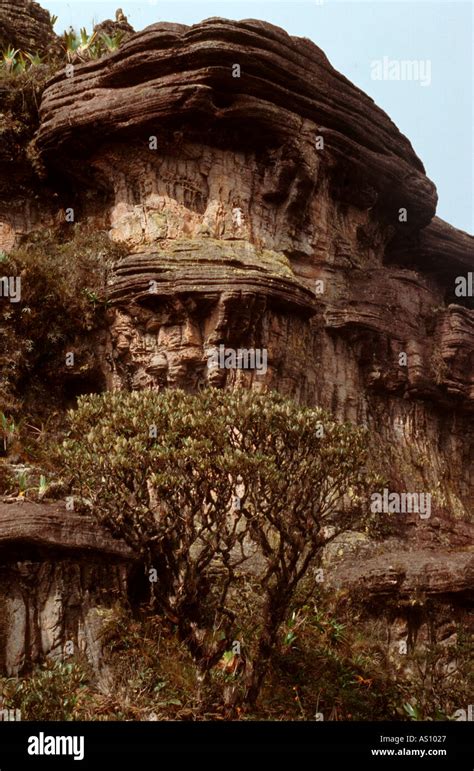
{"x":268,"y":203}
{"x":59,"y":578}
{"x":24,"y":24}
{"x":53,"y":527}
{"x":285,"y":95}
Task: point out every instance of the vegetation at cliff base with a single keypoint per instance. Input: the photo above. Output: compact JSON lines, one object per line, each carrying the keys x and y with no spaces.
{"x":331,"y":662}
{"x":229,"y":497}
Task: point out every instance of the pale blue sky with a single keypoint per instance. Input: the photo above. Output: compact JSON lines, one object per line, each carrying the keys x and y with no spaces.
{"x":438,"y":119}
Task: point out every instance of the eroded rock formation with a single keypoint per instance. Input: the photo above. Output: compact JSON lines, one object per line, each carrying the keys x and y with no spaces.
{"x":25,"y":24}
{"x":235,"y":195}
{"x":266,"y":202}
{"x":59,"y":576}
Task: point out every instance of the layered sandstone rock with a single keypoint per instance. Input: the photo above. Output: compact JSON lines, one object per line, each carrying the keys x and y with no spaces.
{"x":283,"y":210}
{"x":181,"y":78}
{"x":52,"y":526}
{"x":25,"y":24}
{"x":277,"y":209}
{"x":266,"y":210}
{"x":60,"y":576}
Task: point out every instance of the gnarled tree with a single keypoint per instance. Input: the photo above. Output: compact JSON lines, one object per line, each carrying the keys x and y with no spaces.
{"x":225,"y":494}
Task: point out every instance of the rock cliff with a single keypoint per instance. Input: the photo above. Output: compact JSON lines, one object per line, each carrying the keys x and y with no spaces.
{"x":25,"y":24}
{"x":59,"y":576}
{"x":279,"y":209}
{"x":266,"y":202}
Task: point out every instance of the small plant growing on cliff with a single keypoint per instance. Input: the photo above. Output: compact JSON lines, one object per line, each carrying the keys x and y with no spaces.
{"x":85,"y":42}
{"x":225,"y":495}
{"x":71,"y":44}
{"x":16,"y":62}
{"x":35,"y":59}
{"x":7,"y":431}
{"x":9,"y":58}
{"x":80,"y":47}
{"x":112,"y":42}
{"x":21,"y":63}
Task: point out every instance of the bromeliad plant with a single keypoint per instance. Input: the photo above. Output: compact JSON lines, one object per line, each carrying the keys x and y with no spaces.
{"x":8,"y":430}
{"x":9,"y":59}
{"x":71,"y":44}
{"x":81,"y":47}
{"x":112,"y":42}
{"x":34,"y":59}
{"x":78,"y":47}
{"x":224,"y":495}
{"x":14,"y":62}
{"x":85,"y":48}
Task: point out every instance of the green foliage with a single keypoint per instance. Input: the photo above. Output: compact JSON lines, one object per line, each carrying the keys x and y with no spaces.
{"x":22,"y":80}
{"x":51,"y":692}
{"x":112,"y":42}
{"x":58,"y":279}
{"x":7,"y":427}
{"x":219,"y":440}
{"x":21,"y":63}
{"x":9,"y":59}
{"x":14,"y":61}
{"x":43,"y":485}
{"x":78,"y":47}
{"x":8,"y":480}
{"x":439,"y":677}
{"x":23,"y":482}
{"x":34,"y":59}
{"x":348,"y":676}
{"x":23,"y":77}
{"x":412,"y":712}
{"x":162,"y":471}
{"x":82,"y":47}
{"x":151,"y":670}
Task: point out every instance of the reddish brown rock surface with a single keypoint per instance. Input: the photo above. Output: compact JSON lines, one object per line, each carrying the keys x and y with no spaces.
{"x":231,"y":211}
{"x":170,"y":76}
{"x":24,"y":24}
{"x":51,"y":526}
{"x":59,"y":577}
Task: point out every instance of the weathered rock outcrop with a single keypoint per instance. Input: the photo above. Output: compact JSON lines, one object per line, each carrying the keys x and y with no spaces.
{"x":59,"y":577}
{"x":287,"y":94}
{"x":24,"y":24}
{"x":51,"y":526}
{"x":266,"y":202}
{"x":264,"y":211}
{"x":122,"y":29}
